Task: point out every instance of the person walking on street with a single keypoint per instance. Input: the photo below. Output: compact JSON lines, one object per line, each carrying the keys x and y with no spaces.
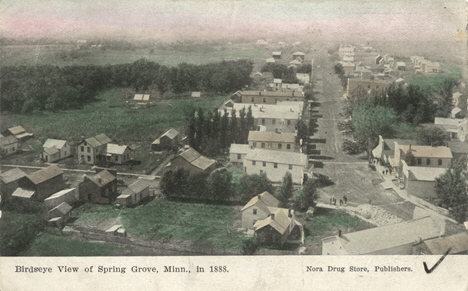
{"x":345,"y":198}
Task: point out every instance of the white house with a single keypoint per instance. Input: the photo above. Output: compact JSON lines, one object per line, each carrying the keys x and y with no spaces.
{"x":237,"y":153}
{"x":276,"y":164}
{"x":55,"y":149}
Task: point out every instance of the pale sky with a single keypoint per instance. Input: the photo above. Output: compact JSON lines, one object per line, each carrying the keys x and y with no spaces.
{"x":411,"y":19}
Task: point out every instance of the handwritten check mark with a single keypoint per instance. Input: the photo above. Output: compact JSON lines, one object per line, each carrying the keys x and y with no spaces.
{"x":436,"y":264}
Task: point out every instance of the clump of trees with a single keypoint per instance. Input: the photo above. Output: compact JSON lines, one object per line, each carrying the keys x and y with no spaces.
{"x":211,"y":134}
{"x":451,"y":188}
{"x":24,"y":89}
{"x":280,"y":71}
{"x":217,"y":187}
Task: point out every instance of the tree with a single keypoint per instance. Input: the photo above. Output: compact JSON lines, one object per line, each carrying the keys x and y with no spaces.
{"x":251,"y":185}
{"x":451,"y":188}
{"x":308,"y":195}
{"x":249,"y":246}
{"x":370,"y":121}
{"x":286,"y":189}
{"x":433,"y":136}
{"x":220,"y":184}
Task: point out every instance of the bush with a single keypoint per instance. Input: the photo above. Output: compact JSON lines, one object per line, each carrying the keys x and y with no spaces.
{"x":352,"y":147}
{"x":250,"y":246}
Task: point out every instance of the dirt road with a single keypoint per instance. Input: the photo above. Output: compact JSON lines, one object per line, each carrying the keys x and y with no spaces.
{"x":351,"y":174}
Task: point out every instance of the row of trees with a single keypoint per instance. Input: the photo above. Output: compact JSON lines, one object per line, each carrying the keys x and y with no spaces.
{"x":280,"y":71}
{"x":211,"y":132}
{"x":27,"y":88}
{"x":220,"y":187}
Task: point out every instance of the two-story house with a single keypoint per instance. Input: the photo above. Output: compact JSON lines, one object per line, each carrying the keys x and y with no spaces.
{"x":273,"y":140}
{"x":91,"y":150}
{"x":100,"y":188}
{"x":276,"y":164}
{"x":54,"y":150}
{"x":266,"y":97}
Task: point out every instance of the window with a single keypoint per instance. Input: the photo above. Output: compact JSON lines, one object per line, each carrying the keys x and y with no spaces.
{"x":238,"y":156}
{"x":255,"y":211}
{"x":289,"y":122}
{"x":254,"y":144}
{"x":419,"y":161}
{"x":261,"y":171}
{"x":263,"y":145}
{"x":89,"y":158}
{"x":290,"y":167}
{"x":439,"y":162}
{"x":264,"y":164}
{"x":280,"y":146}
{"x":288,"y":146}
{"x":89,"y":149}
{"x":263,"y":121}
{"x":116,"y":158}
{"x":264,"y":100}
{"x":82,"y":148}
{"x":82,"y":157}
{"x":273,"y":121}
{"x":275,"y":165}
{"x":252,"y":100}
{"x":253,"y":163}
{"x":428,"y":161}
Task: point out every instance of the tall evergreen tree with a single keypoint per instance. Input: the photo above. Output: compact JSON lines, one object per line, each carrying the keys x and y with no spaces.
{"x":233,"y":127}
{"x":224,"y":130}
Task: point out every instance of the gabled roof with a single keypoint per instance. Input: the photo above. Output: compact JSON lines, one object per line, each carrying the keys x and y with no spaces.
{"x":171,"y":133}
{"x":141,"y":97}
{"x":7,"y":140}
{"x":136,"y":187}
{"x":16,"y":130}
{"x":239,"y":148}
{"x":276,"y":53}
{"x":190,"y":155}
{"x":426,"y":173}
{"x":299,"y":53}
{"x":93,"y":142}
{"x":264,"y":200}
{"x":280,"y":157}
{"x":270,"y":60}
{"x":458,"y":147}
{"x":455,"y":110}
{"x":271,"y":136}
{"x":428,"y":151}
{"x":103,"y":178}
{"x":23,"y":193}
{"x":51,"y":150}
{"x":277,"y":81}
{"x":45,"y":174}
{"x":280,"y":222}
{"x":102,"y":138}
{"x":389,"y":236}
{"x":196,"y":94}
{"x":12,"y":175}
{"x":457,"y":242}
{"x":116,"y":149}
{"x":60,"y":193}
{"x":203,"y":162}
{"x":54,"y":143}
{"x":63,"y":207}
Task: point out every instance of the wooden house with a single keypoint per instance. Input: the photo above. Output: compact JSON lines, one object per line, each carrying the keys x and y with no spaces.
{"x":100,"y":188}
{"x":43,"y":183}
{"x":9,"y":182}
{"x":8,"y":145}
{"x":170,"y":140}
{"x":134,"y":193}
{"x":191,"y":161}
{"x":54,"y":150}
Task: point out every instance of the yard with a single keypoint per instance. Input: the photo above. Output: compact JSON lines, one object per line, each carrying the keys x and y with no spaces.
{"x":198,"y":225}
{"x":326,"y":222}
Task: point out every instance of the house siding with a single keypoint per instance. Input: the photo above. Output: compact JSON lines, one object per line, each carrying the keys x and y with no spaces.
{"x":44,"y":189}
{"x":274,"y":174}
{"x":234,"y":160}
{"x":249,"y":218}
{"x":259,"y":99}
{"x":9,"y":149}
{"x":90,"y":192}
{"x":273,"y":145}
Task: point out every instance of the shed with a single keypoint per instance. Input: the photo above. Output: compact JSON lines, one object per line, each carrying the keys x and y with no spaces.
{"x":196,"y":95}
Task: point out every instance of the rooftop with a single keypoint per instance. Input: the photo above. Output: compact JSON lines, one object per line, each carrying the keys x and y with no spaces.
{"x":7,"y":140}
{"x":60,"y":193}
{"x":116,"y":149}
{"x":196,"y":159}
{"x":263,"y":200}
{"x":54,"y":143}
{"x":136,"y":187}
{"x":457,"y":242}
{"x":63,"y":207}
{"x":45,"y":174}
{"x":426,"y":173}
{"x":103,"y":178}
{"x":281,"y":157}
{"x":269,"y":136}
{"x":239,"y":148}
{"x":23,"y":193}
{"x":12,"y":175}
{"x":385,"y":237}
{"x":281,"y":110}
{"x":16,"y":130}
{"x":427,"y":151}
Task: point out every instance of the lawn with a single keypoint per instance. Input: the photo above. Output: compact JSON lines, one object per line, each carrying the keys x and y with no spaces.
{"x":163,"y":220}
{"x":168,"y":56}
{"x":326,"y":221}
{"x":52,"y":243}
{"x":109,"y":115}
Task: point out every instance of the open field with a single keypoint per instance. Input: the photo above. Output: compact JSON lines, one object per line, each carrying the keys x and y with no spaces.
{"x":203,"y":225}
{"x":68,"y":55}
{"x":52,"y":243}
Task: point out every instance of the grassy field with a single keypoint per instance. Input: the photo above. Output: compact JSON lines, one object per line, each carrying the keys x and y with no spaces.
{"x":433,"y":82}
{"x":67,"y":55}
{"x":109,"y":115}
{"x":163,"y":220}
{"x":325,"y":222}
{"x":52,"y":243}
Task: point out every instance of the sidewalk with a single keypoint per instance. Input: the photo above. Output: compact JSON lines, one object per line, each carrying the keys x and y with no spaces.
{"x":389,"y":184}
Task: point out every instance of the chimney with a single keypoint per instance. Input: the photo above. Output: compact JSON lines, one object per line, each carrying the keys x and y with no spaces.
{"x":100,"y":181}
{"x":410,"y":147}
{"x":339,"y":233}
{"x":290,"y":213}
{"x":272,"y":216}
